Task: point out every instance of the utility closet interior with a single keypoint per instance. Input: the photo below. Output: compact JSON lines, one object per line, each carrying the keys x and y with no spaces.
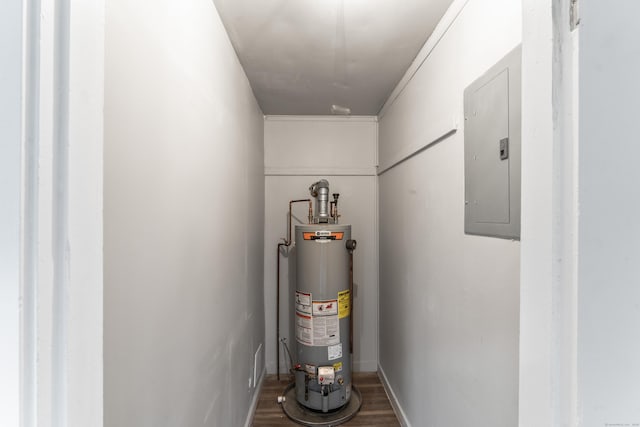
{"x":209,"y":134}
{"x":198,"y":177}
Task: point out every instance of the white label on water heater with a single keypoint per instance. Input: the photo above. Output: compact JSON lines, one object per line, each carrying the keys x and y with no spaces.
{"x":304,"y":329}
{"x":303,"y":302}
{"x":317,"y":322}
{"x":335,"y":352}
{"x":326,"y":330}
{"x":325,"y":308}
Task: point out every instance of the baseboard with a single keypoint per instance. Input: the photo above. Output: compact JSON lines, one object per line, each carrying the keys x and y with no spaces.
{"x":255,"y":399}
{"x":397,"y":409}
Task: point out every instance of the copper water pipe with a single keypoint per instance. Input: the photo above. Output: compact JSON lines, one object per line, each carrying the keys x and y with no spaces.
{"x":278,"y":313}
{"x":287,"y":243}
{"x":351,"y":308}
{"x":351,"y":246}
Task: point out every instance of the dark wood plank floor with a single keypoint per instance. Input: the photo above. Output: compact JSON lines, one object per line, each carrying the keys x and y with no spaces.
{"x":376,"y":410}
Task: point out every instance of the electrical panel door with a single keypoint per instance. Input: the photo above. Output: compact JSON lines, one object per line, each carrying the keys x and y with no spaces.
{"x":492,"y":107}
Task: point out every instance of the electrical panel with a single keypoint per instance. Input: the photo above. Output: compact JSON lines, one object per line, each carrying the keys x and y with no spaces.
{"x":492,"y":133}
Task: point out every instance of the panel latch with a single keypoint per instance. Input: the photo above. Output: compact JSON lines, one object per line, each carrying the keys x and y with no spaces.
{"x":504,"y":148}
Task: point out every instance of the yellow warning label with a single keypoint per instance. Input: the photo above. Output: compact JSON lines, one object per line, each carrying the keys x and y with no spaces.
{"x":344,"y":304}
{"x":337,"y":366}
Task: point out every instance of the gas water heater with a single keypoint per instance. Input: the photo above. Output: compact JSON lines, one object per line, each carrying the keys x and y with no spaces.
{"x":323,"y":306}
{"x":322,"y":393}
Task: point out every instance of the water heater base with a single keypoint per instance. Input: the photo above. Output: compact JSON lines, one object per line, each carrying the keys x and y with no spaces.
{"x":307,"y":417}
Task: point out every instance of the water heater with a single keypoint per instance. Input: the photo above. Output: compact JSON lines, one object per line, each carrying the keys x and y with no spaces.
{"x":323,"y":306}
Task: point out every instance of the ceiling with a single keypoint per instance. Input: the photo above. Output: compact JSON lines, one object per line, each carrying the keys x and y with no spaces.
{"x":303,"y":56}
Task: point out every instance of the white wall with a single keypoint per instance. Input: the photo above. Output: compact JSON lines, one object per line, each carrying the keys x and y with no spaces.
{"x":298,"y":152}
{"x":609,"y":234}
{"x":10,"y":135}
{"x":183,"y":219}
{"x":449,"y":303}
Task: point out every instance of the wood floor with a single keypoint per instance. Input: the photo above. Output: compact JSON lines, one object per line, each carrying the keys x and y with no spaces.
{"x":376,"y":410}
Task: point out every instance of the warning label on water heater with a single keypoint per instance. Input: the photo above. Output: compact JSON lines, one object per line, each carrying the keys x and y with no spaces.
{"x":344,"y":304}
{"x":325,"y":308}
{"x":303,"y":302}
{"x":317,"y":330}
{"x":304,"y":329}
{"x":326,"y":330}
{"x":317,"y":322}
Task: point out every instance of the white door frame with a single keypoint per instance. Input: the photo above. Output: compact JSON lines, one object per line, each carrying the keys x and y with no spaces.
{"x":61,"y":75}
{"x":549,"y":259}
{"x":10,"y":135}
{"x":57,"y":48}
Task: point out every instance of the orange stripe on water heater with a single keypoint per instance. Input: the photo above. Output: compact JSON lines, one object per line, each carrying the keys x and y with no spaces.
{"x":316,"y":235}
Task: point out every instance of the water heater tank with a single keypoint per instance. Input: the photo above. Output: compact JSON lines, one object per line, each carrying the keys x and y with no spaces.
{"x":322,"y":314}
